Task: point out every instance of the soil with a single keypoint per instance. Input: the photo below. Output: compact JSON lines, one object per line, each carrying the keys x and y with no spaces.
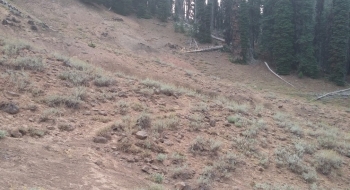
{"x":62,"y":152}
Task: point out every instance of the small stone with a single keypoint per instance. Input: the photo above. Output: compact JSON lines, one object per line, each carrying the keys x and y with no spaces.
{"x":212,"y":123}
{"x":280,"y":106}
{"x":99,"y":163}
{"x":66,"y":127}
{"x":148,"y":160}
{"x":154,"y":167}
{"x":102,"y":140}
{"x":261,"y":169}
{"x":142,"y":135}
{"x":51,"y":128}
{"x":12,"y":94}
{"x":6,"y":22}
{"x":102,"y":113}
{"x":31,"y":119}
{"x":145,"y":169}
{"x":16,"y":134}
{"x":180,"y":185}
{"x":33,"y":27}
{"x":10,"y":108}
{"x":168,"y":143}
{"x":31,"y":22}
{"x":87,"y":113}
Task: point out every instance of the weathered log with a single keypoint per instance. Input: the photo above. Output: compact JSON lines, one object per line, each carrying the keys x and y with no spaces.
{"x":332,"y":93}
{"x":206,"y":49}
{"x":278,"y":75}
{"x":217,"y":38}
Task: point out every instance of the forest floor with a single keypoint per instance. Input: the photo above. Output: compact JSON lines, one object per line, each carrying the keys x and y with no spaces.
{"x":95,"y":100}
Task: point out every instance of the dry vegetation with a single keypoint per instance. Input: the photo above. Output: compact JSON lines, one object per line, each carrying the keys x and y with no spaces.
{"x":177,"y":133}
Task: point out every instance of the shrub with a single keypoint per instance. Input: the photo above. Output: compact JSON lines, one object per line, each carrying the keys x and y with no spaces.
{"x":123,"y":107}
{"x":69,"y":101}
{"x":327,"y":160}
{"x":158,"y":178}
{"x":161,"y":157}
{"x":240,"y":108}
{"x":201,"y":145}
{"x":178,"y":158}
{"x":310,"y":175}
{"x":280,"y":117}
{"x":3,"y":134}
{"x":49,"y":113}
{"x":103,"y":81}
{"x":76,"y":77}
{"x":78,"y":64}
{"x":144,"y":121}
{"x":163,"y":124}
{"x":29,"y":63}
{"x":181,"y":172}
{"x":13,"y":48}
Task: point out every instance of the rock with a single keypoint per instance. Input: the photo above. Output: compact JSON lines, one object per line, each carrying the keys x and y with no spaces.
{"x":102,"y":113}
{"x":31,"y":22}
{"x":118,"y":19}
{"x":15,"y":20}
{"x":10,"y":108}
{"x":212,"y":123}
{"x":33,"y":27}
{"x":261,"y":169}
{"x":280,"y":106}
{"x":148,"y":160}
{"x":101,"y":140}
{"x":168,"y":143}
{"x":142,"y":135}
{"x":51,"y":128}
{"x":12,"y":94}
{"x":180,"y":185}
{"x":104,"y":34}
{"x":66,"y":127}
{"x":99,"y":163}
{"x":145,"y":169}
{"x":154,"y":167}
{"x":6,"y":22}
{"x":16,"y":134}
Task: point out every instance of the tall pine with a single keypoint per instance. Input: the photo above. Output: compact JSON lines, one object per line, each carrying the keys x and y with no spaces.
{"x":339,"y":47}
{"x":283,"y":37}
{"x":203,"y":16}
{"x":304,"y":24}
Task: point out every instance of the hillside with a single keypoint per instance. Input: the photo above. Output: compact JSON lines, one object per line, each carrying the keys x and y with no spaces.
{"x":135,"y":113}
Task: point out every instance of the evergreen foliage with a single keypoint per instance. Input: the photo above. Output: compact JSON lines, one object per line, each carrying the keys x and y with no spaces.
{"x":283,"y":37}
{"x":268,"y":22}
{"x":304,"y":24}
{"x":163,"y":10}
{"x":339,"y":47}
{"x":308,"y":37}
{"x":203,"y":33}
{"x":244,"y":29}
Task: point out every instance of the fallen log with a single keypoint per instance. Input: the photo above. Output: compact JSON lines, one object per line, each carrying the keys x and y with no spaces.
{"x":278,"y":75}
{"x":332,"y":93}
{"x":217,"y":38}
{"x":206,"y":49}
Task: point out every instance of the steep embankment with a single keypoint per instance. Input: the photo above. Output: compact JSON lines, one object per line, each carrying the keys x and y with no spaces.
{"x":78,"y":117}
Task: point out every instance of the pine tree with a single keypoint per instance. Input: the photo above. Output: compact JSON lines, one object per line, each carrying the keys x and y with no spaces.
{"x":283,"y":36}
{"x":227,"y":12}
{"x":304,"y":24}
{"x":338,"y":49}
{"x":254,"y":21}
{"x":267,"y":25}
{"x":163,"y":10}
{"x":203,"y":33}
{"x":244,"y":30}
{"x":142,"y":9}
